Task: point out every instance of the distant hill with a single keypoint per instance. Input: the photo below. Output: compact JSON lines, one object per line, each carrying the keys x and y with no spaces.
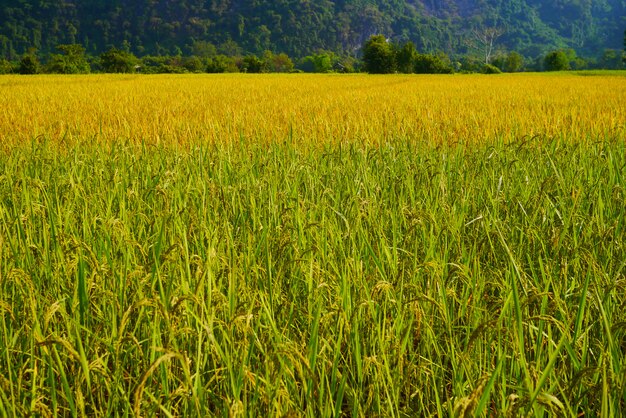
{"x":299,"y":27}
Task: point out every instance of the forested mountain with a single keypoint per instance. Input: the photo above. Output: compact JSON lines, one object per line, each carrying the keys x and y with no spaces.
{"x":300,"y":27}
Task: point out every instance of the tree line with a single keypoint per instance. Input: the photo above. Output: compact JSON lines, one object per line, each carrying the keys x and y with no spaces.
{"x":301,"y":28}
{"x":378,"y":55}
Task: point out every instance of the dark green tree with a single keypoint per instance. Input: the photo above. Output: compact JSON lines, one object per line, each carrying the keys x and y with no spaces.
{"x":29,"y":64}
{"x":405,"y":58}
{"x":252,"y":64}
{"x":71,"y":60}
{"x":206,"y":28}
{"x":6,"y":67}
{"x":221,"y":64}
{"x":203,"y":49}
{"x":432,"y":64}
{"x":556,"y":61}
{"x":470,"y":64}
{"x":610,"y":59}
{"x":514,"y":62}
{"x":193,"y":64}
{"x":151,"y":64}
{"x":510,"y":63}
{"x":118,"y":61}
{"x":318,"y":63}
{"x":378,"y":56}
{"x":346,"y":64}
{"x":490,"y":69}
{"x":277,"y":63}
{"x":624,"y":50}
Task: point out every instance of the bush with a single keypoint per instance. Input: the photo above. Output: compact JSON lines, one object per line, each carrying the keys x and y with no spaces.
{"x":165,"y":64}
{"x":221,"y":64}
{"x":514,"y":62}
{"x":118,"y":61}
{"x":511,"y":63}
{"x":432,"y":64}
{"x":153,"y":64}
{"x":490,"y":69}
{"x":277,"y":63}
{"x":469,"y":64}
{"x":72,"y":60}
{"x":29,"y":64}
{"x":556,"y":61}
{"x":611,"y":59}
{"x":318,"y":63}
{"x":6,"y":67}
{"x":252,"y":64}
{"x":193,"y":64}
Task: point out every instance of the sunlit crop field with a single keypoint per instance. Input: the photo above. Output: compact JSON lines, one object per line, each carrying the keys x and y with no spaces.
{"x":329,"y":245}
{"x":310,"y":109}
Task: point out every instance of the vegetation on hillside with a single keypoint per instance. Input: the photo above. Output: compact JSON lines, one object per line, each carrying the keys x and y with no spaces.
{"x":298,"y":28}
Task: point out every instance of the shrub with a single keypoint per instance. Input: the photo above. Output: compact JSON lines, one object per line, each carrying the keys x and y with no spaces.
{"x":510,"y":63}
{"x":277,"y":63}
{"x":71,"y":60}
{"x":490,"y":69}
{"x":118,"y":61}
{"x":318,"y":63}
{"x":29,"y":64}
{"x":556,"y":61}
{"x":6,"y":67}
{"x":252,"y":64}
{"x":221,"y":64}
{"x":193,"y":64}
{"x":432,"y":64}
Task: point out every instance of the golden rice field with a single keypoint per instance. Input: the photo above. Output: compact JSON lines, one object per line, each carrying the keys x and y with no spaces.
{"x":310,"y":108}
{"x":313,"y":246}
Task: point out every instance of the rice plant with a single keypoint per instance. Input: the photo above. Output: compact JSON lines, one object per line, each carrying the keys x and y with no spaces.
{"x":333,"y":264}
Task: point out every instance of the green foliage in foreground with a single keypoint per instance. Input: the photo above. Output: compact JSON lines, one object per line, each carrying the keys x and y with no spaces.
{"x":403,"y":280}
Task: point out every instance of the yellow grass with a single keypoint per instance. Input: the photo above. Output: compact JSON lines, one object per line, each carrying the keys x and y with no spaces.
{"x":309,"y":108}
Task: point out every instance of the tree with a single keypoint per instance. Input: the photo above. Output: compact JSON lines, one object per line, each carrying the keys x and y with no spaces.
{"x":318,"y":63}
{"x":484,"y":39}
{"x":405,"y":58}
{"x":470,"y":64}
{"x":514,"y":62}
{"x":206,"y":28}
{"x":579,"y":63}
{"x":118,"y":61}
{"x":230,"y":48}
{"x":378,"y":56}
{"x":432,"y":64}
{"x":6,"y":67}
{"x":490,"y":69}
{"x":221,"y":64}
{"x":610,"y":59}
{"x":72,"y":60}
{"x":510,"y":63}
{"x":203,"y":49}
{"x":556,"y":61}
{"x":159,"y":64}
{"x":277,"y":63}
{"x":347,"y":64}
{"x":193,"y":64}
{"x":29,"y":64}
{"x":252,"y":64}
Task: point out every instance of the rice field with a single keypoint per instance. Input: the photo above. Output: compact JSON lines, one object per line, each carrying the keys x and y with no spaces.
{"x":310,"y":109}
{"x":313,"y":245}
